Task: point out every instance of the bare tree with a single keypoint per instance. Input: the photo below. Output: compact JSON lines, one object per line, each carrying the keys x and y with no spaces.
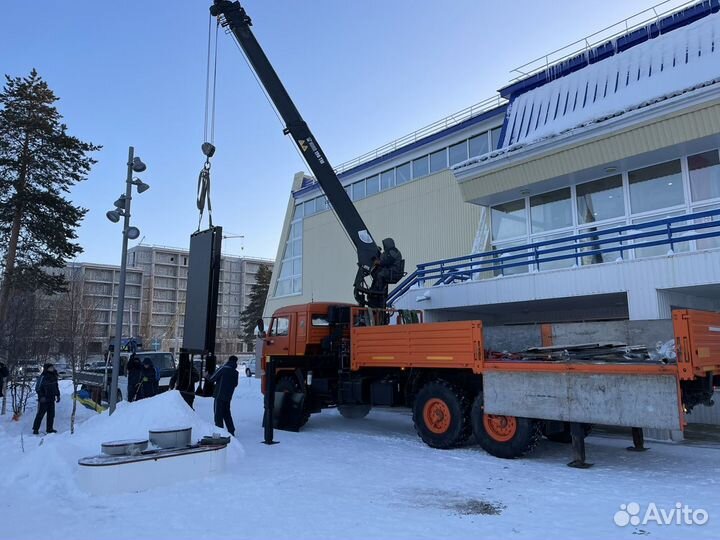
{"x":17,"y":338}
{"x":74,"y":316}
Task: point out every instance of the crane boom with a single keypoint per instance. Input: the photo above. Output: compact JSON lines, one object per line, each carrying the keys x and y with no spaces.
{"x":232,"y":15}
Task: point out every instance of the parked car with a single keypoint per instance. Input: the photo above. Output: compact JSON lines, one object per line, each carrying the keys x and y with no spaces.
{"x":249,"y":366}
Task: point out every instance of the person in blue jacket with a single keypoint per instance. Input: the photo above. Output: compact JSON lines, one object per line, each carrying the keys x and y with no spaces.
{"x":48,"y":393}
{"x":225,"y":380}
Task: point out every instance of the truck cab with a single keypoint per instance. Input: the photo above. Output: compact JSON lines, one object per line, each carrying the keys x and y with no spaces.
{"x":303,"y":329}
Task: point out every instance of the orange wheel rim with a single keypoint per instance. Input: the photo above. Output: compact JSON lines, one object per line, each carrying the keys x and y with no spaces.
{"x":500,"y":428}
{"x":437,"y":416}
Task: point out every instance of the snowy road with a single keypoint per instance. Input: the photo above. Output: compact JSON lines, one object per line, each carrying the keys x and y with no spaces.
{"x":356,"y":479}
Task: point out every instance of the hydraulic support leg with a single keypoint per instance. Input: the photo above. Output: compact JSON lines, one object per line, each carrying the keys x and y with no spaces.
{"x":578,"y":434}
{"x":268,"y":417}
{"x":638,"y":440}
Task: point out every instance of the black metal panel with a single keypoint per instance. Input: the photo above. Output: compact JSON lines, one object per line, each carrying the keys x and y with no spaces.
{"x":202,"y":291}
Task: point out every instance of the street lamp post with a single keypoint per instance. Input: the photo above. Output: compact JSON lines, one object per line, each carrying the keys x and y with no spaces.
{"x":122,"y":208}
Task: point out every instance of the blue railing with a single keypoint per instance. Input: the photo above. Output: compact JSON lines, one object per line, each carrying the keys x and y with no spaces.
{"x":577,"y":248}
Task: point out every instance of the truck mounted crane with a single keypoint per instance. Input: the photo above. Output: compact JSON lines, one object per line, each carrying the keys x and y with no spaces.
{"x":233,"y":16}
{"x":317,"y":356}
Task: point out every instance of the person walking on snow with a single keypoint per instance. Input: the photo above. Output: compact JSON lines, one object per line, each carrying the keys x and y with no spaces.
{"x":148,"y":385}
{"x":48,"y":394}
{"x":225,"y":380}
{"x":133,"y":369}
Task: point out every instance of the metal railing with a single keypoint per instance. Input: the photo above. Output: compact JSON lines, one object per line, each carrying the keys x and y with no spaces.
{"x":638,"y":20}
{"x":576,"y":248}
{"x":449,"y":121}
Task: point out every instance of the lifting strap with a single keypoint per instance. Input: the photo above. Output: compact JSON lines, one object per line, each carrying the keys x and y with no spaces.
{"x":208,"y":147}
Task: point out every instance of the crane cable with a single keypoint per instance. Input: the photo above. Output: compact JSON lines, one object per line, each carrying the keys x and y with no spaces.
{"x":208,"y":147}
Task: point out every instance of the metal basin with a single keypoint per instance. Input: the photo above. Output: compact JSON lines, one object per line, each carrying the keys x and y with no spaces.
{"x":174,"y":437}
{"x":125,"y":447}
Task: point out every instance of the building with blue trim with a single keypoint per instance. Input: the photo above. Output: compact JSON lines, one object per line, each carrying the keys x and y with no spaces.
{"x":588,"y":190}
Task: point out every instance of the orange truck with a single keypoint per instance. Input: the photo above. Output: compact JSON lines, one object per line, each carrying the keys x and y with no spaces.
{"x":322,"y":355}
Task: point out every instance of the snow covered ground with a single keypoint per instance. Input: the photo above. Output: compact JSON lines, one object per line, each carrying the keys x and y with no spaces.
{"x":344,"y":479}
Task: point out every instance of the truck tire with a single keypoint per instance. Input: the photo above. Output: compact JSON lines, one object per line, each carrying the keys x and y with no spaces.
{"x":505,"y":437}
{"x":289,"y":383}
{"x":248,"y":373}
{"x":441,"y":414}
{"x":354,"y":412}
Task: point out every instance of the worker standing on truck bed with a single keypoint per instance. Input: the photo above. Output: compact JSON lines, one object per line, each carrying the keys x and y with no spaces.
{"x":391,"y":265}
{"x":225,"y":380}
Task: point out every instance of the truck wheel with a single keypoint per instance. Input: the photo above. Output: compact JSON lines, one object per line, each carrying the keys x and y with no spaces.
{"x":441,"y":414}
{"x":504,"y":436}
{"x":248,"y":373}
{"x":290,"y":384}
{"x":354,"y":412}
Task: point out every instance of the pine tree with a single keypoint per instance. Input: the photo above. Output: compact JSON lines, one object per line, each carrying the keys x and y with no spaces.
{"x":39,"y":163}
{"x":254,"y":310}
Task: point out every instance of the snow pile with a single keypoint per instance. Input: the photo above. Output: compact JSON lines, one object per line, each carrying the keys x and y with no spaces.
{"x":51,"y":461}
{"x":669,"y":63}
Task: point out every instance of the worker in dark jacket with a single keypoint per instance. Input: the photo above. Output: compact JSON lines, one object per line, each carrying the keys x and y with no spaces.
{"x":390,"y":267}
{"x":4,"y":373}
{"x":133,"y":367}
{"x":225,"y":380}
{"x":148,"y":386}
{"x":48,"y":394}
{"x":185,"y":378}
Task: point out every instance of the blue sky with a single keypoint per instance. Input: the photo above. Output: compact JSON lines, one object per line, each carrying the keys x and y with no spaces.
{"x":362,"y":73}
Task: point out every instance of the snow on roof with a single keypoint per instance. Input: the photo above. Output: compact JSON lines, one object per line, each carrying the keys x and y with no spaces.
{"x":681,"y":59}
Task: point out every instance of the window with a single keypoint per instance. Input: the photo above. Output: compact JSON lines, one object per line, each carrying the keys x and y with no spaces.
{"x":438,"y":160}
{"x":513,"y":259}
{"x":661,"y":234}
{"x":320,"y":320}
{"x":372,"y":185}
{"x":280,"y":327}
{"x":358,"y":190}
{"x":554,"y":265}
{"x":600,"y":200}
{"x":656,"y":187}
{"x":402,"y":173}
{"x":420,"y":167}
{"x":551,"y":211}
{"x":298,"y":211}
{"x":289,"y":279}
{"x":607,"y":242}
{"x":495,"y":136}
{"x":458,"y":153}
{"x":704,"y":175}
{"x":509,"y":220}
{"x":387,"y":179}
{"x":479,"y":145}
{"x":712,"y":242}
{"x":309,"y":207}
{"x":348,"y":190}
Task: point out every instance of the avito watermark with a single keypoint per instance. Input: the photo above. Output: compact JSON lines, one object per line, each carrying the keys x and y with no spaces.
{"x":680,"y":514}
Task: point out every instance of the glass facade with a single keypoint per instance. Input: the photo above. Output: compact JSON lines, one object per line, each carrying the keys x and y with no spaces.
{"x":419,"y":167}
{"x":551,"y":211}
{"x":289,"y":279}
{"x":655,"y":187}
{"x":704,"y":170}
{"x":673,"y":188}
{"x":600,"y":200}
